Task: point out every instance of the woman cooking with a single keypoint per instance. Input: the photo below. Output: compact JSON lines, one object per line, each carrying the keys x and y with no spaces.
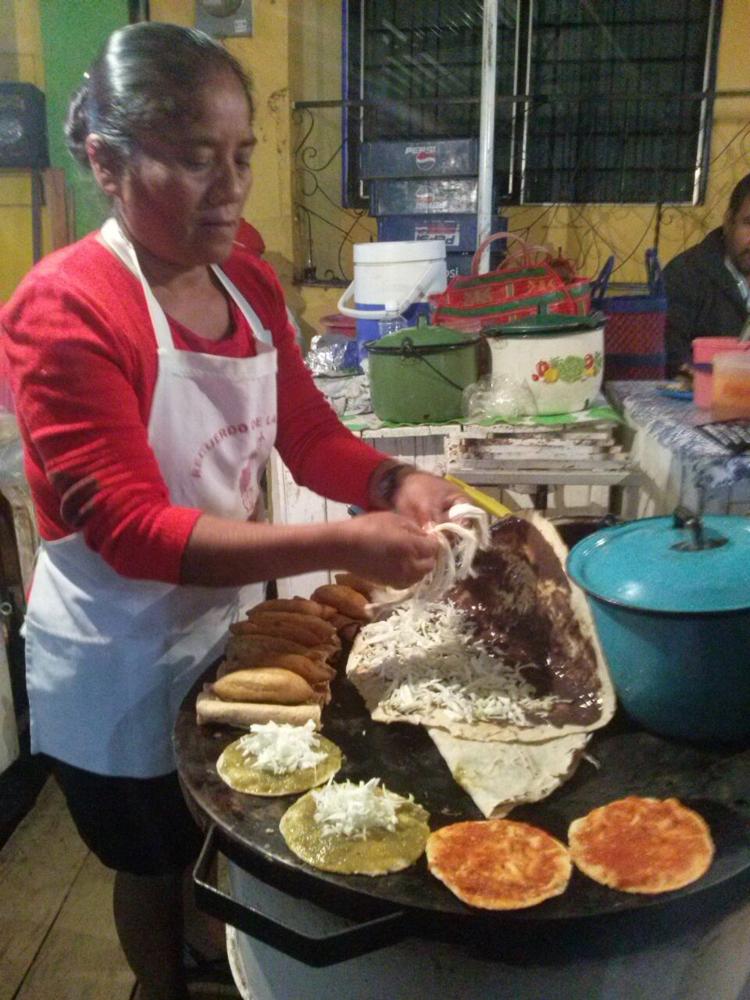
{"x":154,"y":369}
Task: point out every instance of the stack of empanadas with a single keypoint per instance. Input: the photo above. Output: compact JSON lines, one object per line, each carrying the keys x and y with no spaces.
{"x":280,"y":659}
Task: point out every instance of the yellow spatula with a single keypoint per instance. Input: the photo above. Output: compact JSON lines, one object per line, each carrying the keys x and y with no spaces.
{"x":483,"y":500}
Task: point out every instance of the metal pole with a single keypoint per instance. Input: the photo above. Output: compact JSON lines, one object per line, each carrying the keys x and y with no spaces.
{"x":37,"y":200}
{"x":487,"y":126}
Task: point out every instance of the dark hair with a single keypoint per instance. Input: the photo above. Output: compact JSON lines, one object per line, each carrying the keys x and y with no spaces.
{"x":146,"y":75}
{"x":739,"y":194}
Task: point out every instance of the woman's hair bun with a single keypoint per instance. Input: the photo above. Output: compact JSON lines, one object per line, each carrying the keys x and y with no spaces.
{"x":77,"y":124}
{"x":145,"y":77}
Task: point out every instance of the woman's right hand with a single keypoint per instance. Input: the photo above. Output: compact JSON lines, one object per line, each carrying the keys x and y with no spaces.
{"x":387,"y":548}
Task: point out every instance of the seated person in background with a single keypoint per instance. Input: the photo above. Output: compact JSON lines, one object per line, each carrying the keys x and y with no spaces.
{"x":708,"y":286}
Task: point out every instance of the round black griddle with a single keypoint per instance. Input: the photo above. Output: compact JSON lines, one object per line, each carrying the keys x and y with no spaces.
{"x":715,"y":781}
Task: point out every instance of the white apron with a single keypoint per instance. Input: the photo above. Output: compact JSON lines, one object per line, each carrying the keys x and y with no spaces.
{"x":109,"y":659}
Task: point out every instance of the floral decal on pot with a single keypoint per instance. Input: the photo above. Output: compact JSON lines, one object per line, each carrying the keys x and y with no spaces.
{"x":572,"y":368}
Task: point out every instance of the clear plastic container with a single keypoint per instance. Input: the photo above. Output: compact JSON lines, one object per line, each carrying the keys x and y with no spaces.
{"x":730,"y":392}
{"x":705,"y":350}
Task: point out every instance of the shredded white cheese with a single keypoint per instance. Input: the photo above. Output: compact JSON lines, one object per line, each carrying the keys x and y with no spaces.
{"x":353,"y":810}
{"x":433,"y":664}
{"x":459,"y":544}
{"x":282,"y":748}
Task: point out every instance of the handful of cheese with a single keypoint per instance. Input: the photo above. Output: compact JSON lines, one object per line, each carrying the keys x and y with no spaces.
{"x":278,"y":664}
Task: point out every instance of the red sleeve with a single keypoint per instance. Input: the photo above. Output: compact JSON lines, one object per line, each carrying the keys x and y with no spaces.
{"x":83,"y":369}
{"x":319,"y":451}
{"x":83,"y":386}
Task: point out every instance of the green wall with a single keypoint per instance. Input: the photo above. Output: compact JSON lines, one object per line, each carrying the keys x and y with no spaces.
{"x":73,"y":31}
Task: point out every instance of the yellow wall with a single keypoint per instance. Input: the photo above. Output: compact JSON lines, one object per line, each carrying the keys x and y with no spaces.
{"x":294,"y":54}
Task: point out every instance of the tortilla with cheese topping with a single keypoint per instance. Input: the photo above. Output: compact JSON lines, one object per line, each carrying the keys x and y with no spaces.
{"x":276,"y":759}
{"x":509,"y":654}
{"x":356,"y":829}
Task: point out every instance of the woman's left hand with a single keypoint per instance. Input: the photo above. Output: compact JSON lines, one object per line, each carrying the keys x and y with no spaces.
{"x":425,"y":498}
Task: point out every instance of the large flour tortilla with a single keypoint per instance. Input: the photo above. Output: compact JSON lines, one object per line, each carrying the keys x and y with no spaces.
{"x":373,"y":687}
{"x":500,"y":776}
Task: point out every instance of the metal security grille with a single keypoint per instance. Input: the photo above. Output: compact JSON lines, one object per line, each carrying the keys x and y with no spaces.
{"x":615,"y":113}
{"x":597,"y":100}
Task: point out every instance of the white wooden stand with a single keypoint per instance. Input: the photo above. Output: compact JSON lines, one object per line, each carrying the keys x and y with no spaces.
{"x":564,"y":469}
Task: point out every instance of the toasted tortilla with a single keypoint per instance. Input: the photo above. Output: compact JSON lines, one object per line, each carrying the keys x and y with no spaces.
{"x":381,"y":852}
{"x":212,"y":710}
{"x":642,"y":845}
{"x":498,"y":864}
{"x":239,"y":770}
{"x":538,"y":586}
{"x":501,"y":776}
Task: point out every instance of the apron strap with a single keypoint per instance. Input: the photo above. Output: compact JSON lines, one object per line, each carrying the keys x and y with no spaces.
{"x":115,"y":239}
{"x":259,"y":331}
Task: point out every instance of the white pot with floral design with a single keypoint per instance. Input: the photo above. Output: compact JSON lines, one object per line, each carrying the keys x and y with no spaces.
{"x":559,"y":358}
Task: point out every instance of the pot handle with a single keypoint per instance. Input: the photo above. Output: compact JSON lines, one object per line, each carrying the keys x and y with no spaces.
{"x":698,"y":541}
{"x":398,"y":308}
{"x":326,"y":949}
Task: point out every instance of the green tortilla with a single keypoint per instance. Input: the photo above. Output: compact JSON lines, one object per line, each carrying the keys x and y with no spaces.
{"x":381,"y":852}
{"x":238,"y":771}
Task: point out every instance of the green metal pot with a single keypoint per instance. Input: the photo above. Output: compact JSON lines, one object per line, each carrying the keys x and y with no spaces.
{"x":417,"y":375}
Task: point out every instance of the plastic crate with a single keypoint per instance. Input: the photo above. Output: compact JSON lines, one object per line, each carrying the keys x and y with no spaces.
{"x":459,"y":231}
{"x":420,"y":157}
{"x":423,"y":196}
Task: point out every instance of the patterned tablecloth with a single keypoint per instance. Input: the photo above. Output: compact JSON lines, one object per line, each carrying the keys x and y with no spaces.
{"x":680,"y":464}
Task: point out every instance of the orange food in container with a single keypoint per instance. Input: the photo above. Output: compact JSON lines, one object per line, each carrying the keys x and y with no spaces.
{"x":704,"y":351}
{"x":730,"y":394}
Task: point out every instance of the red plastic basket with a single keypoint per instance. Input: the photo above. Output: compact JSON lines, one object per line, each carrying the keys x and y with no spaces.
{"x":634,"y":335}
{"x":634,"y":342}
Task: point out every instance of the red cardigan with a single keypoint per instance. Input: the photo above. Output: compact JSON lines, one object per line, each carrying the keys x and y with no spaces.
{"x":83,"y":369}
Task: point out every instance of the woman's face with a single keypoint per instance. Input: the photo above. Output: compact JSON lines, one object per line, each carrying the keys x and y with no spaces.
{"x":181,"y":195}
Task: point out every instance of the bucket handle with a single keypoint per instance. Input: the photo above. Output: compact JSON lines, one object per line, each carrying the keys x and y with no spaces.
{"x":362,"y":938}
{"x":408,"y":351}
{"x":391,"y":309}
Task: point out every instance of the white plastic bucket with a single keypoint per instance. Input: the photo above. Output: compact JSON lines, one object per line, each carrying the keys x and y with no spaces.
{"x":393,"y":279}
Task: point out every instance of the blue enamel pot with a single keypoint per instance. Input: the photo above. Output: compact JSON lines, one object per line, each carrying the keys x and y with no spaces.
{"x":671,"y":603}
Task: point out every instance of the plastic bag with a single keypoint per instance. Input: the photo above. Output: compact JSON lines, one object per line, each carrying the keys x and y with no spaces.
{"x":347,"y":394}
{"x":332,"y":353}
{"x":529,"y":282}
{"x":497,"y":397}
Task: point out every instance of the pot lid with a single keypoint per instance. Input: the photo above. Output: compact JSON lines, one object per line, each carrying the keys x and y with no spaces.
{"x":670,"y":564}
{"x":547,"y":325}
{"x":422,"y":339}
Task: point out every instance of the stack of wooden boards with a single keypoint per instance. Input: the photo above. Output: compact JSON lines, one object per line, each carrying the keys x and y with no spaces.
{"x":280,"y":660}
